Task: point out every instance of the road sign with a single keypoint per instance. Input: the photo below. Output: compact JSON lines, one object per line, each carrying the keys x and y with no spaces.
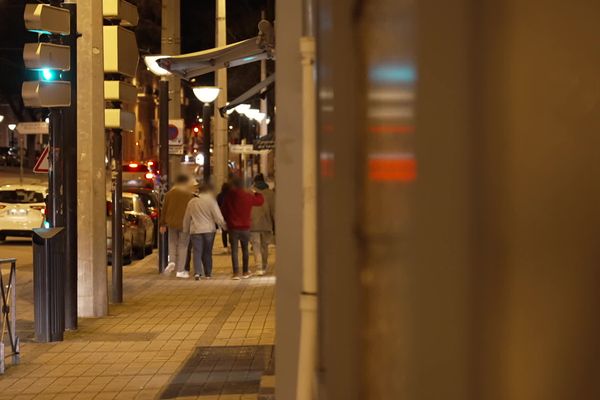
{"x":176,"y":150}
{"x":176,"y":132}
{"x":42,"y":165}
{"x":32,"y":128}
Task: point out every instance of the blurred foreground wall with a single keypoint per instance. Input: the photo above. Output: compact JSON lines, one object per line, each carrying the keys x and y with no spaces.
{"x":459,"y":199}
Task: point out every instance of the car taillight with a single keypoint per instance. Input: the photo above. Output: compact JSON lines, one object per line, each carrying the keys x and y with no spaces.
{"x":153,"y":214}
{"x":41,"y":209}
{"x":133,"y":165}
{"x":149,"y":175}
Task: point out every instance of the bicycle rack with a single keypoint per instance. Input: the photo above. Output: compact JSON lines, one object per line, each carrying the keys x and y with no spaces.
{"x":8,"y":319}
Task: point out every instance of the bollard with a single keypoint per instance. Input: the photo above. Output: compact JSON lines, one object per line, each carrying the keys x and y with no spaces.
{"x":49,"y":284}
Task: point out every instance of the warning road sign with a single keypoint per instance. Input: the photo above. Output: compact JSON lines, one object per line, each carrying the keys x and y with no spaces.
{"x":41,"y":166}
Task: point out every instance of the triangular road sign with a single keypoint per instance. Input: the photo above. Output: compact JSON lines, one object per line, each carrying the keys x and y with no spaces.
{"x":41,"y":166}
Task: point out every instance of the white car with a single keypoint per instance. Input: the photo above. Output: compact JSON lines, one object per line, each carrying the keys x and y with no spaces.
{"x":22,"y":208}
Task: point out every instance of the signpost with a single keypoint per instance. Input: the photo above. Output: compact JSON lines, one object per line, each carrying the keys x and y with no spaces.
{"x":42,"y":165}
{"x":32,"y":128}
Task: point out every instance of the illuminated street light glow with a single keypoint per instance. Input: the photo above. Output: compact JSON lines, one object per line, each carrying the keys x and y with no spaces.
{"x":12,"y":127}
{"x":1,"y":118}
{"x":242,"y":108}
{"x":206,"y":94}
{"x":152,"y":64}
{"x":252,"y":113}
{"x":259,"y":116}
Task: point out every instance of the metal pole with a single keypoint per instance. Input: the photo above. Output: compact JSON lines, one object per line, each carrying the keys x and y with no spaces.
{"x":70,"y":157}
{"x":20,"y":157}
{"x":55,"y":209}
{"x":163,"y":146}
{"x":206,"y":136}
{"x":117,"y":219}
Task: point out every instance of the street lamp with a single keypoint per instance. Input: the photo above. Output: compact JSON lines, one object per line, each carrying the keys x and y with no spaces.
{"x":163,"y":145}
{"x":12,"y":127}
{"x":1,"y":118}
{"x":206,"y":94}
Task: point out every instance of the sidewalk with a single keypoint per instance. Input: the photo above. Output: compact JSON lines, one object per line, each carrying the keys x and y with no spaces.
{"x":170,"y":339}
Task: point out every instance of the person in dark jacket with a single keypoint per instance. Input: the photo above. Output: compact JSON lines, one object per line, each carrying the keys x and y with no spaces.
{"x":237,"y":209}
{"x":221,"y":201}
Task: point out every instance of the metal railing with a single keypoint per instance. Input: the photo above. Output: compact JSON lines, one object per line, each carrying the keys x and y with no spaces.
{"x":8,"y":314}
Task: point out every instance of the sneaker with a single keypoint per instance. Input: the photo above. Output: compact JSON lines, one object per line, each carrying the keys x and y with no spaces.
{"x":169,"y":268}
{"x":236,"y":277}
{"x":247,"y":275}
{"x":197,"y":277}
{"x":183,"y":274}
{"x":260,"y":272}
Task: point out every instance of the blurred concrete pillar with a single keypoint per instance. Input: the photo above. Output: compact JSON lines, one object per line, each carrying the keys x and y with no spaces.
{"x":91,"y":146}
{"x":289,"y":194}
{"x":460,"y":249}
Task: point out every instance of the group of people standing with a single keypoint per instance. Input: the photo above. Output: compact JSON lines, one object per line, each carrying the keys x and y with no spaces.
{"x":244,"y":216}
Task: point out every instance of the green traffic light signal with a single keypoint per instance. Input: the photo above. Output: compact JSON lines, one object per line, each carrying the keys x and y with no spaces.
{"x":48,"y":75}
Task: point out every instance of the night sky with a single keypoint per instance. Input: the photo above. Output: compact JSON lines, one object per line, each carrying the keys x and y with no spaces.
{"x":197,"y":33}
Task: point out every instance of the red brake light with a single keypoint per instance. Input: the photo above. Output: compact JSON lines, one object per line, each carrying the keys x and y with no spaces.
{"x":41,"y":209}
{"x":150,"y":163}
{"x":149,"y":175}
{"x":133,"y":165}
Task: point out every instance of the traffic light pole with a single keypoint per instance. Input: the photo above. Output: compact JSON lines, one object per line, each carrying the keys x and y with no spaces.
{"x":117,"y":218}
{"x":55,"y":206}
{"x":70,"y":182}
{"x":163,"y":146}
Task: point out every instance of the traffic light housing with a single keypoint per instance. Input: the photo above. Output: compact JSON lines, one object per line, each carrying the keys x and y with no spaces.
{"x":49,"y":59}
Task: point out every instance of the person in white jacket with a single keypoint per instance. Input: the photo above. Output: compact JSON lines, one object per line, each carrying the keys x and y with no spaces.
{"x":201,"y":219}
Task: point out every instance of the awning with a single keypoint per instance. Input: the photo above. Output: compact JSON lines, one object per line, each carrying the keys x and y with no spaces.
{"x":188,"y":66}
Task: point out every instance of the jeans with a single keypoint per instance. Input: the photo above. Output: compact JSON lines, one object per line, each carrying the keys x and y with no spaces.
{"x":260,"y":247}
{"x":224,"y":238}
{"x":244,"y":238}
{"x":188,"y":257}
{"x":203,"y":246}
{"x":178,"y":245}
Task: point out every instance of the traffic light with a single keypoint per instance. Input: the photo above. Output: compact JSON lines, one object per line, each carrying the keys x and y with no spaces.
{"x":48,"y":58}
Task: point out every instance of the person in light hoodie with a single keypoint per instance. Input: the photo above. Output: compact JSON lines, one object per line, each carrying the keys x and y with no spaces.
{"x":200,"y":221}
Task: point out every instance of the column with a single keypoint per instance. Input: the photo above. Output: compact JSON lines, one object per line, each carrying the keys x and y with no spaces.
{"x":220,"y":142}
{"x":91,"y":170}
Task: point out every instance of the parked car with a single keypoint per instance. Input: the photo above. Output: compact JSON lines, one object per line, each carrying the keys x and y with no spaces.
{"x":138,"y":175}
{"x":22,"y":208}
{"x":9,"y":157}
{"x":151,"y":204}
{"x":128,"y":233}
{"x":136,"y":215}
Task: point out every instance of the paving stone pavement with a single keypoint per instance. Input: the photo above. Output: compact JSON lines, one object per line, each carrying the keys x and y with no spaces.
{"x":172,"y":338}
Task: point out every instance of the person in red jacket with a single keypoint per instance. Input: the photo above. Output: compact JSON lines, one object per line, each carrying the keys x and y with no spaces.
{"x":237,"y":211}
